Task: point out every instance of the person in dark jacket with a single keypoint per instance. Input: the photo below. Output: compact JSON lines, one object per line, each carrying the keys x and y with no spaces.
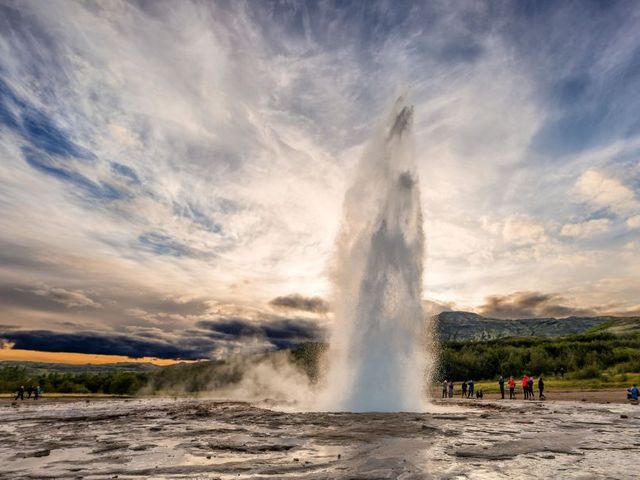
{"x":464,"y":389}
{"x":541,"y":388}
{"x":20,"y":393}
{"x":532,"y":395}
{"x":501,"y":383}
{"x":470,"y":395}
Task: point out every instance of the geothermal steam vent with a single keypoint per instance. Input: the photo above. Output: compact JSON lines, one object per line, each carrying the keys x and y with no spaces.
{"x":377,"y":358}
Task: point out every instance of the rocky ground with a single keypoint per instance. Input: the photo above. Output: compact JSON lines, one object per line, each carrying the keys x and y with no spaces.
{"x":206,"y":439}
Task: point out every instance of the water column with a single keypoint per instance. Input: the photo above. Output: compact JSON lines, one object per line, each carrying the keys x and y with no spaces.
{"x":377,"y":358}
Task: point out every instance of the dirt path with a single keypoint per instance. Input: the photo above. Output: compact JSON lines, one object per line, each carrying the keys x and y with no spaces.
{"x":591,"y":396}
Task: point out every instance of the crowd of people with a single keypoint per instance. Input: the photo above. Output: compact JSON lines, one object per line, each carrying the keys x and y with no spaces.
{"x":468,"y":388}
{"x":36,"y":392}
{"x":527,"y":385}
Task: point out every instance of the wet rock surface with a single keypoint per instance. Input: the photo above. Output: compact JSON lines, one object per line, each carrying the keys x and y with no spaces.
{"x":206,"y":439}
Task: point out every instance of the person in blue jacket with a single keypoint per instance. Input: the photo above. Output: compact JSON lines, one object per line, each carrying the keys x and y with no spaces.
{"x":633,"y":392}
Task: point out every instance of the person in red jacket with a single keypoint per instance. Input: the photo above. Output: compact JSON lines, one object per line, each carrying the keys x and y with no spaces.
{"x":512,"y":388}
{"x":525,"y":386}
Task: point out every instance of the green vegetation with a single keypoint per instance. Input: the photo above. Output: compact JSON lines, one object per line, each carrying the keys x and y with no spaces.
{"x":194,"y":377}
{"x":112,"y":383}
{"x":557,"y":384}
{"x":180,"y":378}
{"x":599,"y":356}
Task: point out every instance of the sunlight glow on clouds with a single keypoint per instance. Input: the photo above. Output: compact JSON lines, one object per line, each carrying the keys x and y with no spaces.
{"x":170,"y":169}
{"x":521,"y":230}
{"x":634,"y":222}
{"x":605,"y":192}
{"x":586,"y":229}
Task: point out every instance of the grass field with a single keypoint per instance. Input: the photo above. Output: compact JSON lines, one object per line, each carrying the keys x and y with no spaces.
{"x":620,"y":381}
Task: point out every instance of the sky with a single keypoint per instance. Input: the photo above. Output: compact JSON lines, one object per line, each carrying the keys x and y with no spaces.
{"x":172,"y":173}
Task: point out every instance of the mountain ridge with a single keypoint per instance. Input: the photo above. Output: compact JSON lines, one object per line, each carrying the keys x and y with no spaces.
{"x":463,"y":326}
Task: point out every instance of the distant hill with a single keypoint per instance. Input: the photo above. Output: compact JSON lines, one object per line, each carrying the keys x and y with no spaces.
{"x":461,"y":326}
{"x":619,"y":326}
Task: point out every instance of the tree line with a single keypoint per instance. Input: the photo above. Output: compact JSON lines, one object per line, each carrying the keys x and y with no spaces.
{"x":579,"y":357}
{"x":112,"y":383}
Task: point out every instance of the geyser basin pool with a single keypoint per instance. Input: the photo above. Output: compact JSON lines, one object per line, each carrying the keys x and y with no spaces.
{"x":377,"y":360}
{"x":166,"y":439}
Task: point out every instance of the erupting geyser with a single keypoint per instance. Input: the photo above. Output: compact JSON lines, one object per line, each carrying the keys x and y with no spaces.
{"x":377,"y":359}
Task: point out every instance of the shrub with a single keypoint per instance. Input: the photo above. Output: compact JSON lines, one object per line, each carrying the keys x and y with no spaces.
{"x":590,"y":371}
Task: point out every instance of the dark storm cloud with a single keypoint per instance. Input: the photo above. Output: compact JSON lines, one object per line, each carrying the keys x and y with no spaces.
{"x":529,"y":305}
{"x":145,"y":325}
{"x":209,"y":337}
{"x":280,"y":332}
{"x":105,"y":344}
{"x":298,"y":302}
